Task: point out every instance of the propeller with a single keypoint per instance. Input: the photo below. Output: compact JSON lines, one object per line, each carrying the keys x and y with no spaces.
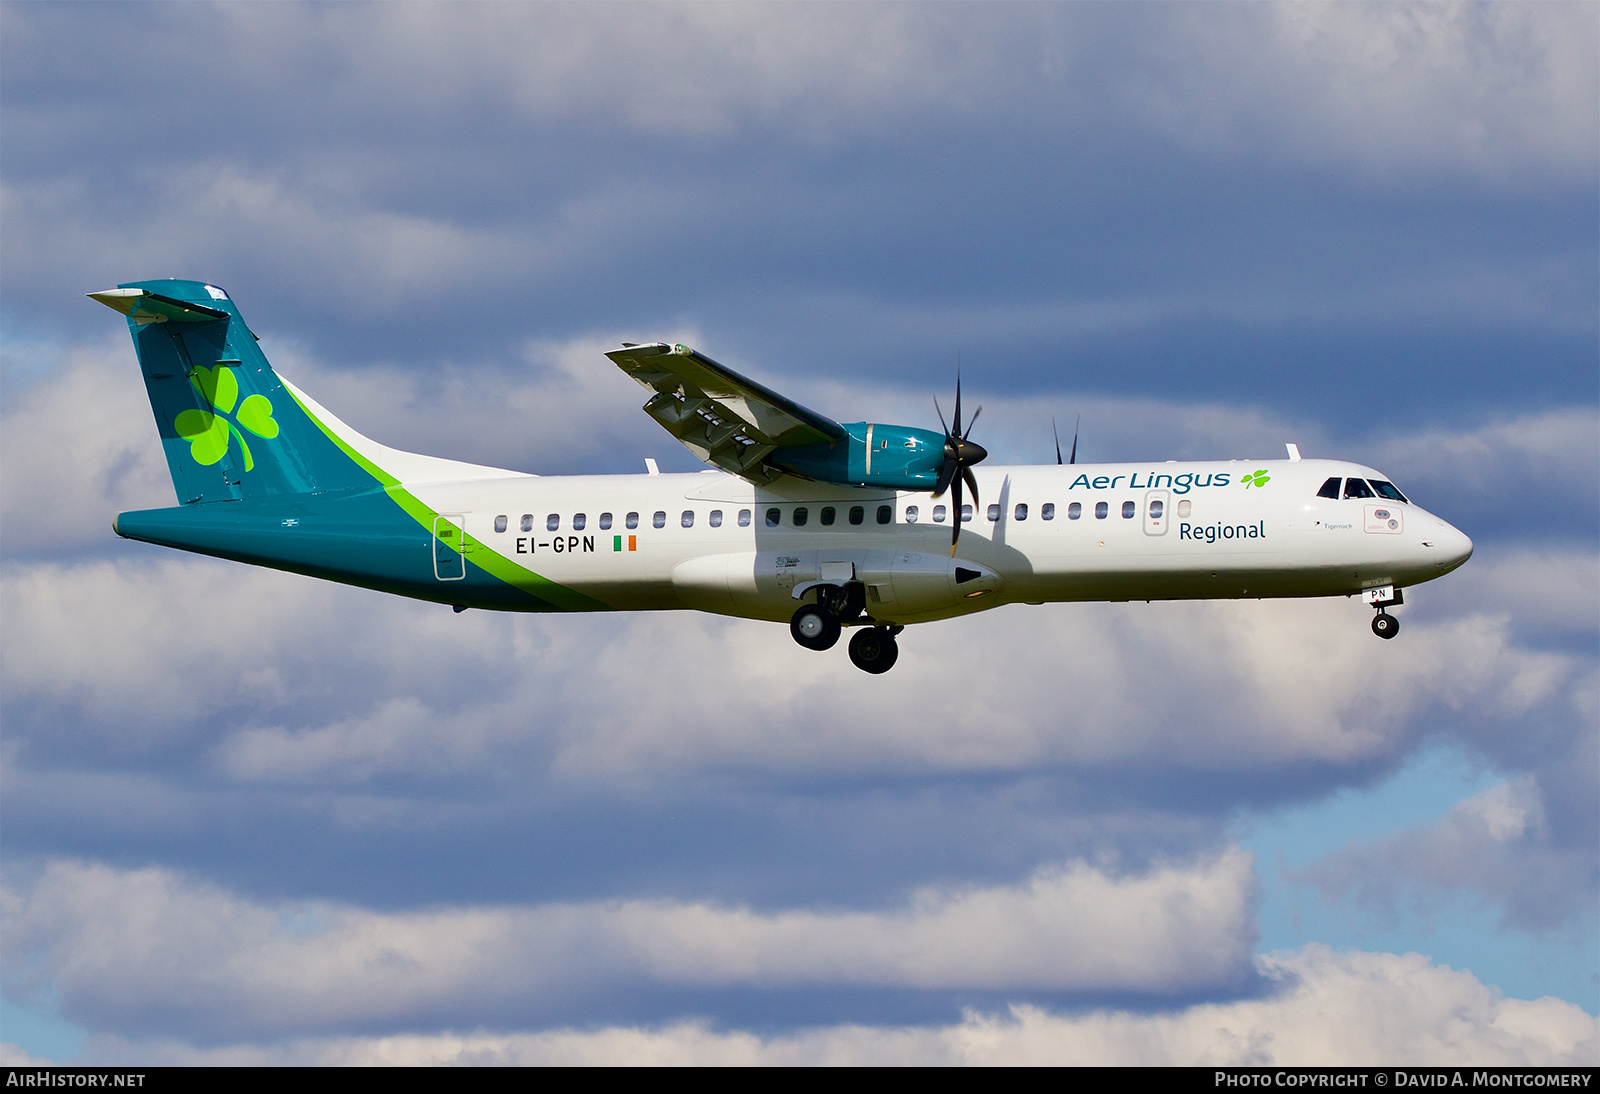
{"x":1057,"y":436}
{"x":960,"y":455}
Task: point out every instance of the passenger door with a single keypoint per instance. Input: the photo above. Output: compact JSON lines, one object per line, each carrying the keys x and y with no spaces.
{"x":1157,"y":511}
{"x":449,"y":547}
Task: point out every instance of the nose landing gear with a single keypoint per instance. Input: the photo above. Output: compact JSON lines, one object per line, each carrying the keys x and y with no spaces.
{"x":1385,"y":625}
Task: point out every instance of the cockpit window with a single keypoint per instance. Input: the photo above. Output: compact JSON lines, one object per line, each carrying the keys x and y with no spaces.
{"x":1357,"y":488}
{"x":1387,"y":490}
{"x":1330,"y":489}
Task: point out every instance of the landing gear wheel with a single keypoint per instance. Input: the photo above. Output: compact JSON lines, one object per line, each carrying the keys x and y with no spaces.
{"x":1385,"y":625}
{"x":814,"y":628}
{"x":874,"y":650}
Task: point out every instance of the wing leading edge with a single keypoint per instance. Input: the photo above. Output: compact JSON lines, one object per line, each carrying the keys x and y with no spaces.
{"x":725,"y":419}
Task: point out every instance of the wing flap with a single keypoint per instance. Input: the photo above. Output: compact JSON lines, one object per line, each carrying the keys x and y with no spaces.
{"x":727,"y":420}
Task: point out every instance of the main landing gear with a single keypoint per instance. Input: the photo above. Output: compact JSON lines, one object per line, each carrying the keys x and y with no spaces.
{"x":818,"y":626}
{"x":874,"y":650}
{"x":815,"y":627}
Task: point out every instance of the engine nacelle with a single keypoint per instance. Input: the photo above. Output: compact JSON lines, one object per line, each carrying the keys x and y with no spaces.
{"x":895,"y":457}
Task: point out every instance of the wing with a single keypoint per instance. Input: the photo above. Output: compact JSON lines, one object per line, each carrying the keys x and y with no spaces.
{"x":727,"y":420}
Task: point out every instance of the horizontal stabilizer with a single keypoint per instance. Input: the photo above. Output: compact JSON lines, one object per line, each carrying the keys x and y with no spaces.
{"x":143,"y":307}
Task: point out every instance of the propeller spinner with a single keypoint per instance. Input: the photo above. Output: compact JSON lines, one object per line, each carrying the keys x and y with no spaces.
{"x":960,"y":454}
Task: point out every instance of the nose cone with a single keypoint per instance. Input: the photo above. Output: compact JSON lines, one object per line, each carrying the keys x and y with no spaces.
{"x":1453,"y":547}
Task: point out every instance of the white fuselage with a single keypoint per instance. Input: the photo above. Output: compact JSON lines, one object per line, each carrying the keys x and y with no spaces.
{"x":717,"y":543}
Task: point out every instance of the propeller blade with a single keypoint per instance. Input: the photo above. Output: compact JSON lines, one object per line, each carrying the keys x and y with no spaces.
{"x":972,"y":481}
{"x":955,"y":515}
{"x":958,"y":400}
{"x":974,"y":421}
{"x":941,"y":417}
{"x":1074,"y":458}
{"x":947,"y":471}
{"x":1057,"y":436}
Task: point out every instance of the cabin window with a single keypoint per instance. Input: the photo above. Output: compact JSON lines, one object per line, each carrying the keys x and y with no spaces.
{"x":966,"y":513}
{"x":1047,"y":511}
{"x":716,"y":518}
{"x":801,"y":515}
{"x":659,"y":520}
{"x":773,"y":517}
{"x":605,"y":522}
{"x":687,"y":520}
{"x":1185,"y":507}
{"x":631,"y":520}
{"x":1157,"y":507}
{"x":1128,"y":509}
{"x":1330,"y":489}
{"x":1020,"y":512}
{"x":552,"y":522}
{"x":1075,"y":510}
{"x":500,"y":523}
{"x":527,"y":522}
{"x":828,"y":515}
{"x":1387,"y":490}
{"x":578,"y":521}
{"x":911,"y":514}
{"x":994,"y":511}
{"x":938,"y":514}
{"x":1100,"y":510}
{"x":1357,"y":488}
{"x":885,"y":514}
{"x":744,"y":518}
{"x":857,"y":514}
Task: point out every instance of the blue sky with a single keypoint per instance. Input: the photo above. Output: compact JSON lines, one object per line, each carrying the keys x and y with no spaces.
{"x":251,"y":818}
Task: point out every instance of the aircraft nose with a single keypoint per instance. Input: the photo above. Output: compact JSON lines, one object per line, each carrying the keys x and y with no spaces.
{"x":1452,"y":546}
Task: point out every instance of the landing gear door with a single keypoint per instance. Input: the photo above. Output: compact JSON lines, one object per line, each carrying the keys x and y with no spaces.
{"x":1157,"y":512}
{"x":449,"y":546}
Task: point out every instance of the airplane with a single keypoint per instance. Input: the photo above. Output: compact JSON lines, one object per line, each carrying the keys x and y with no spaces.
{"x":799,"y":518}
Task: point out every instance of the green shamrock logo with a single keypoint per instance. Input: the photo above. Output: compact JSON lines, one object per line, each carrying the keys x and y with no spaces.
{"x":1259,"y":478}
{"x":207,"y":433}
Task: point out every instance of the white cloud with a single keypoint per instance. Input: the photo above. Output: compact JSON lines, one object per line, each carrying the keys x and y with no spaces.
{"x":1330,"y":1009}
{"x":1504,"y":91}
{"x":14,"y":1056}
{"x":148,"y":949}
{"x":160,"y":650}
{"x":1545,"y":453}
{"x":1541,"y":590}
{"x":159,"y":645}
{"x":560,"y":407}
{"x":78,"y":446}
{"x":1495,"y":843}
{"x":146,"y":652}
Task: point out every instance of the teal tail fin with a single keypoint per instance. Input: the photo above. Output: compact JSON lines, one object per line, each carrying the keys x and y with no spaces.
{"x":230,"y":428}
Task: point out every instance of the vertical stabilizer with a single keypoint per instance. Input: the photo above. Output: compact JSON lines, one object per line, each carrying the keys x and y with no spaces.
{"x":229,"y":427}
